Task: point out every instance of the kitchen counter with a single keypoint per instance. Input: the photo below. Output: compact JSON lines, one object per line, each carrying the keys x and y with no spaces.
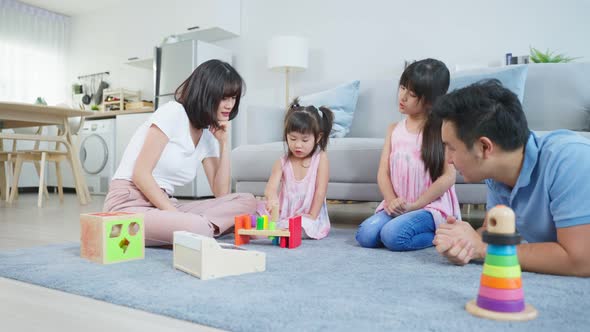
{"x":112,"y":114}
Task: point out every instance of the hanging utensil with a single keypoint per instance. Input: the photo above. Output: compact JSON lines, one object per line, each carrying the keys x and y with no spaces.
{"x":101,"y":86}
{"x":86,"y":99}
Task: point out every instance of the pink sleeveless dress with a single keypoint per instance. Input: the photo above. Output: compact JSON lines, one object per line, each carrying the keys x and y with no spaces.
{"x":296,"y":197}
{"x":410,"y":179}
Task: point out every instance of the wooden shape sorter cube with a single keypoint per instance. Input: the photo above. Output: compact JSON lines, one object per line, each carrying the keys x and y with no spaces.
{"x":111,"y":237}
{"x":205,"y":258}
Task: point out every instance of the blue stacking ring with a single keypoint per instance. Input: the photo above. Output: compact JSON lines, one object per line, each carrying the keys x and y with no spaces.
{"x":501,"y":250}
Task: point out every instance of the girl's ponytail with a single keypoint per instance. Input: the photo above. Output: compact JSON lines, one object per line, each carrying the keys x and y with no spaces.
{"x":327,"y":119}
{"x":433,"y":151}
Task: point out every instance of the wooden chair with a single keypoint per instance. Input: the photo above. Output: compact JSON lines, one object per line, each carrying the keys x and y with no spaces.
{"x":40,"y":157}
{"x":6,"y":166}
{"x":8,"y":160}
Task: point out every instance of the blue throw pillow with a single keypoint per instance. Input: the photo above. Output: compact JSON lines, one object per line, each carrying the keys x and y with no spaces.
{"x":341,"y":100}
{"x":511,"y":77}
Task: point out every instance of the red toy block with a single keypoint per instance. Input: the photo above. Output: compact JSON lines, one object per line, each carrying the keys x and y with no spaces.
{"x":283,"y":242}
{"x":295,"y":230}
{"x":239,"y":222}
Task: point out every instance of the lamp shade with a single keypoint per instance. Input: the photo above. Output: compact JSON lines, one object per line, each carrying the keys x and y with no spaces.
{"x":288,"y":52}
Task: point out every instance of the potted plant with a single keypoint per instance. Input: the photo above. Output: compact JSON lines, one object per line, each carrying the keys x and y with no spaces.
{"x":548,"y":57}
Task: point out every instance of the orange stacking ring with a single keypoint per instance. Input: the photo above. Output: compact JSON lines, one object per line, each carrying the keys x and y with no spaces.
{"x":504,"y":283}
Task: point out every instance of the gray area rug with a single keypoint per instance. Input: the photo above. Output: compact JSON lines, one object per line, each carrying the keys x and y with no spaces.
{"x":331,"y":284}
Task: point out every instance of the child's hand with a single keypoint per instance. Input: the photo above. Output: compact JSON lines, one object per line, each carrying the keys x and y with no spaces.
{"x":409,"y":207}
{"x":307,"y":215}
{"x":395,"y":207}
{"x":271,"y":203}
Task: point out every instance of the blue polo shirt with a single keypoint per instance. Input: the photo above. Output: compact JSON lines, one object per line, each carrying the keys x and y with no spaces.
{"x":553,"y":188}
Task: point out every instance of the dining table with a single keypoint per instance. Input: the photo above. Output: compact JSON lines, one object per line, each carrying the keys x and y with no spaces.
{"x":20,"y":115}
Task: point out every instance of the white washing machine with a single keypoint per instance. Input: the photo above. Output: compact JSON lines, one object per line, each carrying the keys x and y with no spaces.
{"x":97,"y":153}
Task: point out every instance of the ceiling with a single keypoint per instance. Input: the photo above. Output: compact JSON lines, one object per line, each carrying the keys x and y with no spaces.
{"x":72,"y":7}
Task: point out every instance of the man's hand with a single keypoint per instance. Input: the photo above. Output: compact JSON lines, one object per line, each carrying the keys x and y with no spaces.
{"x":459,"y":242}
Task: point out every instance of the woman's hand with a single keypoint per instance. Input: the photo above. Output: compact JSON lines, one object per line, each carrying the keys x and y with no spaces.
{"x":222,"y":133}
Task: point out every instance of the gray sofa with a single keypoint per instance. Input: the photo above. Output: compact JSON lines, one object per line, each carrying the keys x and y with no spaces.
{"x":556,"y":96}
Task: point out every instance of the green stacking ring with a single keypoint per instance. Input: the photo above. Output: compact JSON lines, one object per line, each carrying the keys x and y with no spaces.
{"x":496,"y":260}
{"x":502,"y":271}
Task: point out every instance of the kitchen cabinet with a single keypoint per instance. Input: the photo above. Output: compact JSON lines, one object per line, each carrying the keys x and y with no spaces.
{"x":210,"y":20}
{"x":125,"y":127}
{"x":206,"y":20}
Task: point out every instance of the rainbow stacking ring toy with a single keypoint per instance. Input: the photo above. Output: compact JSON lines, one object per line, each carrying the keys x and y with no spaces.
{"x":500,"y":294}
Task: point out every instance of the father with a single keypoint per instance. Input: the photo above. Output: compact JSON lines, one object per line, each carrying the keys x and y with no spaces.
{"x":545,"y":180}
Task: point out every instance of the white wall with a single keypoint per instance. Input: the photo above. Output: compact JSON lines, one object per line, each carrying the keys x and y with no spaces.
{"x":353,"y":39}
{"x":370,"y":39}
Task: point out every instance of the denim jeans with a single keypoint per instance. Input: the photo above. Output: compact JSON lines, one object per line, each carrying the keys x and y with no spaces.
{"x":410,"y":231}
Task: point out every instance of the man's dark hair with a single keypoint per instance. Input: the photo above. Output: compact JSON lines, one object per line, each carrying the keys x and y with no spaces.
{"x":485,"y":108}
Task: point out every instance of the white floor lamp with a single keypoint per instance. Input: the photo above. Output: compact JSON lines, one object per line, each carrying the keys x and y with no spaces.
{"x":288,"y":53}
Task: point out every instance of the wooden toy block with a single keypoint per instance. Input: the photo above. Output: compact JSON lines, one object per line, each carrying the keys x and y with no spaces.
{"x":205,"y":258}
{"x":500,"y":294}
{"x":290,"y":237}
{"x":295,"y":229}
{"x":272,"y":225}
{"x":239,"y":224}
{"x":260,"y":223}
{"x":283,"y":242}
{"x":112,"y":237}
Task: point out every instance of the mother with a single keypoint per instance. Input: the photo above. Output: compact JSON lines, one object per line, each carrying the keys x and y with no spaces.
{"x":166,"y":151}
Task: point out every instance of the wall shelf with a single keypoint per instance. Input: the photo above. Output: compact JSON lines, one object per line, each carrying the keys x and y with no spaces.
{"x":147,"y":63}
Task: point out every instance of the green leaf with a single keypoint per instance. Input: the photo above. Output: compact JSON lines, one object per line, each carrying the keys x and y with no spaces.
{"x":548,"y":56}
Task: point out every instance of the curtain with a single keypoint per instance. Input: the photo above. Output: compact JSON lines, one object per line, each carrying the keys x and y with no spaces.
{"x":34,"y":44}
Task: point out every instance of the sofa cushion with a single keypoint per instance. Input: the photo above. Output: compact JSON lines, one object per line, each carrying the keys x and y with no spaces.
{"x":254,"y":162}
{"x":341,"y":100}
{"x":557,"y":96}
{"x":352,"y":160}
{"x":511,"y":77}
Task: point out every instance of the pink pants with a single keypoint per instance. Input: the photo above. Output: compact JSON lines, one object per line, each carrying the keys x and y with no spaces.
{"x":211,"y":217}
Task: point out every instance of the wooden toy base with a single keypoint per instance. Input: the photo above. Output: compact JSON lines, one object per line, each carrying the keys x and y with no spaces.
{"x":205,"y":258}
{"x":288,"y":238}
{"x":528,"y":313}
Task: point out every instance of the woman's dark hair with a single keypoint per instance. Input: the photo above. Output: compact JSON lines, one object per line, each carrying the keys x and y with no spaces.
{"x":429,"y":79}
{"x":201,"y":93}
{"x":309,"y":120}
{"x":485,"y":108}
